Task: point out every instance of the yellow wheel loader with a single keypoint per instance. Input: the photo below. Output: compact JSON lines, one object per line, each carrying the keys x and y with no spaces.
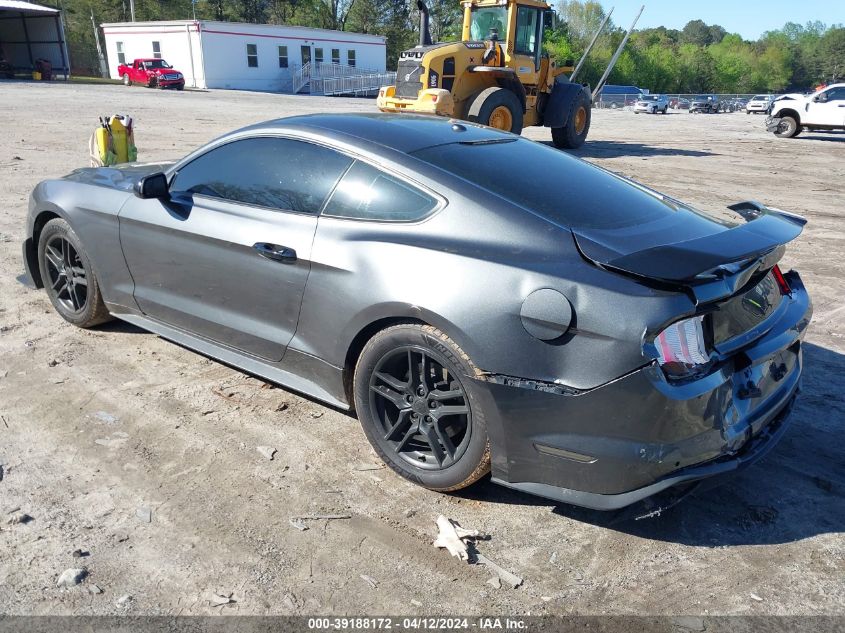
{"x":497,"y":75}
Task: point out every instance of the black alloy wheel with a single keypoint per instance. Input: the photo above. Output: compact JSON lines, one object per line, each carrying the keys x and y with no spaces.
{"x":416,"y":401}
{"x":66,"y":277}
{"x":421,"y":408}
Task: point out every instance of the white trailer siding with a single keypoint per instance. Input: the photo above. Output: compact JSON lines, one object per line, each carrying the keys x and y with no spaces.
{"x":177,"y":42}
{"x":240,"y":56}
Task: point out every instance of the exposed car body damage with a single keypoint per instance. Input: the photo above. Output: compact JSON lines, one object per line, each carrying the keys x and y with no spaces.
{"x":616,"y":341}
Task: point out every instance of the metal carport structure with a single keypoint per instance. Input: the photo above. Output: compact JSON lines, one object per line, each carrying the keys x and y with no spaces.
{"x":29,"y":32}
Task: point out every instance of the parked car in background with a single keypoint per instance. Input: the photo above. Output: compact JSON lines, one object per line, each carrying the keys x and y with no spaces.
{"x":705,"y":103}
{"x":652,"y":104}
{"x":824,"y":110}
{"x":151,"y":72}
{"x":679,"y":103}
{"x":594,"y":342}
{"x":758,"y":104}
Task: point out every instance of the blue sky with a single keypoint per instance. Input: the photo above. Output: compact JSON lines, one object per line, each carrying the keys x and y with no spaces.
{"x":749,"y":18}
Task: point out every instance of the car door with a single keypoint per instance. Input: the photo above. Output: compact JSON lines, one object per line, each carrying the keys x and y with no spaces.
{"x":227,"y":256}
{"x":826,"y":108}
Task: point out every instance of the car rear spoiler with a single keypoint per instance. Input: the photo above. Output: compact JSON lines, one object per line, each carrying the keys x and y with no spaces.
{"x":705,"y":258}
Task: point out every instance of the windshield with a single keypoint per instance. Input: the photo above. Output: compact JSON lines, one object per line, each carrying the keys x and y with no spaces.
{"x":702,"y":98}
{"x":761,"y":98}
{"x":648,"y":98}
{"x":157,"y":63}
{"x":574,"y":194}
{"x":484,"y":19}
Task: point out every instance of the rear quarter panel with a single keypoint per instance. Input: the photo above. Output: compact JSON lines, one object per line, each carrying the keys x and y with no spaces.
{"x":467,"y":270}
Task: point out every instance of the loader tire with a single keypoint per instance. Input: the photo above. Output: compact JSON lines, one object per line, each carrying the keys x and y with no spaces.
{"x":499,"y":108}
{"x":574,"y":133}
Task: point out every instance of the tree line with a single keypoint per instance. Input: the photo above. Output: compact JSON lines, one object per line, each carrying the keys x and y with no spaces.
{"x":697,"y":58}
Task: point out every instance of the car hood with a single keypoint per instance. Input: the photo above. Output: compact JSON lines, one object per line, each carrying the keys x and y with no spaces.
{"x":122,"y":177}
{"x":688,"y":246}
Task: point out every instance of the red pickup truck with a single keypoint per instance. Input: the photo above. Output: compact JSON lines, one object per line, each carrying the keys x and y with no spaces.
{"x":151,"y":72}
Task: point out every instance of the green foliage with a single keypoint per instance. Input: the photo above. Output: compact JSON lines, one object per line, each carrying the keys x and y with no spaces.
{"x":698,"y":58}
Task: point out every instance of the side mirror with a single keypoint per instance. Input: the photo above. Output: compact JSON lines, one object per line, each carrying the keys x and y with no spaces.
{"x":820,"y":98}
{"x":549,"y":19}
{"x":152,"y":186}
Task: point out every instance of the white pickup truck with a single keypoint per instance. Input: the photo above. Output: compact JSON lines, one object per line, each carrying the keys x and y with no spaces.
{"x":822,"y":110}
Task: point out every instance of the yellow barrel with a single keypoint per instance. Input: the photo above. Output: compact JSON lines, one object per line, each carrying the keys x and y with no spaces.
{"x":36,"y":75}
{"x":102,"y":136}
{"x":119,"y":139}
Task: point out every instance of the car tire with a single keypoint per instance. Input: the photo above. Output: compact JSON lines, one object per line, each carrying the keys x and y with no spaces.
{"x":499,"y":108}
{"x":574,"y":133}
{"x":69,"y":277}
{"x":405,"y":438}
{"x":789,"y":127}
{"x":126,"y":80}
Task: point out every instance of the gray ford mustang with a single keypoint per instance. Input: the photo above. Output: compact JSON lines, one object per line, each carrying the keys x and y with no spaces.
{"x":482,"y":301}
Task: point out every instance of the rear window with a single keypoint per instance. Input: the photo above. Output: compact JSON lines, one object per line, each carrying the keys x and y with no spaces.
{"x":564,"y":189}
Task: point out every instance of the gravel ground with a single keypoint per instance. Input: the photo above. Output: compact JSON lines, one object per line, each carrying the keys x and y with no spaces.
{"x":143,"y":455}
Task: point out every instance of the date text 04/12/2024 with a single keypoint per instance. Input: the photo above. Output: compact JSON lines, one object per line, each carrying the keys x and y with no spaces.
{"x":416,"y":624}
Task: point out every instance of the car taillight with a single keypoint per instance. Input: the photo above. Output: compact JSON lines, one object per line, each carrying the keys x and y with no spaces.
{"x":783,"y":284}
{"x":681,"y":350}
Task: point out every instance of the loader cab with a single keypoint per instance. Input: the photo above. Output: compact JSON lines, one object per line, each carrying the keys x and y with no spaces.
{"x":519,"y":26}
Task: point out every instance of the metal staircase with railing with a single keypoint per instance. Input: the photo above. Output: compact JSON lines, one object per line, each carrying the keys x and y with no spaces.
{"x":338,"y":79}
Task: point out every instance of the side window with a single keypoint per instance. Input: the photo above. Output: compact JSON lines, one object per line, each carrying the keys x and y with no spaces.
{"x":527,"y":21}
{"x":837,"y":94}
{"x":366,"y":193}
{"x":252,"y":55}
{"x":269,"y":172}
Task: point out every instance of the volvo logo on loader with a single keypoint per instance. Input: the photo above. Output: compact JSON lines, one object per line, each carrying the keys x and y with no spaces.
{"x":514,"y":86}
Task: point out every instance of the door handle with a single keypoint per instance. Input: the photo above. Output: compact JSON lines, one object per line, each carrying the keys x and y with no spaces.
{"x":275,"y":252}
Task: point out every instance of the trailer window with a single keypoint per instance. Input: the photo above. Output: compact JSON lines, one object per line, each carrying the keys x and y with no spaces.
{"x":485,"y":19}
{"x":335,"y":56}
{"x":318,"y":55}
{"x":157,"y":50}
{"x":121,"y":54}
{"x":252,"y":55}
{"x":350,"y":57}
{"x":283,"y":57}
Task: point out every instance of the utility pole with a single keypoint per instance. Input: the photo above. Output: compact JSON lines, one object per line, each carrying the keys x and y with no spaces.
{"x":132,"y":10}
{"x":104,"y":69}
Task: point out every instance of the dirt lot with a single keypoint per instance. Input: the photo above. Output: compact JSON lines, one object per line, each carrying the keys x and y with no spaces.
{"x":98,"y":426}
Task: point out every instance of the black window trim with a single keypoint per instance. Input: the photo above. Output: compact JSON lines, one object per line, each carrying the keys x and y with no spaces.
{"x":171,"y":176}
{"x":442,"y":201}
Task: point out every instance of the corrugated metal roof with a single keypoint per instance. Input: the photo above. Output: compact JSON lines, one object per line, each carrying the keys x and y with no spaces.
{"x":25,"y":7}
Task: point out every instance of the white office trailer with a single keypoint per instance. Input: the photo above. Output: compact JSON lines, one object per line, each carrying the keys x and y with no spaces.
{"x":244,"y":56}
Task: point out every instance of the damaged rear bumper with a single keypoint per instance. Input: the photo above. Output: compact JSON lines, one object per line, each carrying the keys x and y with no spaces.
{"x":620,"y":443}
